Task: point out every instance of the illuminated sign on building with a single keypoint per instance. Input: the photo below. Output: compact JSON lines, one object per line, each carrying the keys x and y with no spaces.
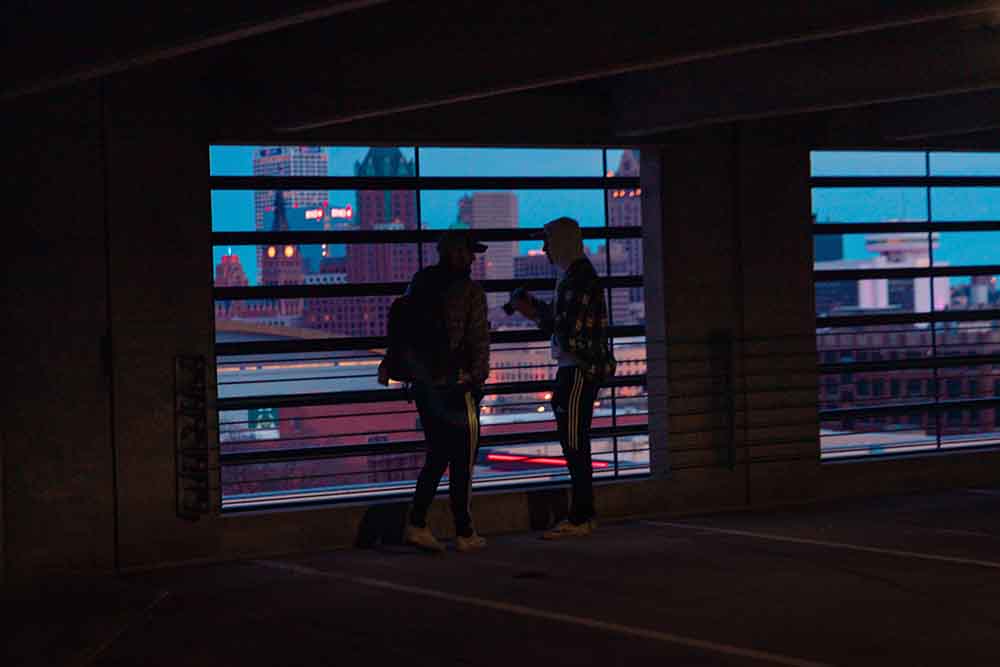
{"x":318,"y":213}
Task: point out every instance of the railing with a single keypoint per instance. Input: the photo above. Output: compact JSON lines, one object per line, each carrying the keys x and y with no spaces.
{"x":301,"y":417}
{"x":733,"y":402}
{"x":349,"y":444}
{"x":730,"y":402}
{"x":909,"y":365}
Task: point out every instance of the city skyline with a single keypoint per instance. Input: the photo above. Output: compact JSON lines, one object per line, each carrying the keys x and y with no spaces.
{"x":234,"y":210}
{"x":910,"y":204}
{"x":357,"y":423}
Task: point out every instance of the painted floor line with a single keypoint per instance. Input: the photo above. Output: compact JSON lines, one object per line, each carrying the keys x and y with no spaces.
{"x":89,"y":657}
{"x":835,"y":545}
{"x":522,"y":610}
{"x":964,"y":533}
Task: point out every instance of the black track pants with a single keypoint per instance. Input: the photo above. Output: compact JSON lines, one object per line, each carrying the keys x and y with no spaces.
{"x":573,"y":404}
{"x":450,"y":418}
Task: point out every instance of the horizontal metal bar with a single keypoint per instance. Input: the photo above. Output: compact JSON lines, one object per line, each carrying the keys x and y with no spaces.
{"x":379,"y":342}
{"x":390,"y":395}
{"x":821,"y":228}
{"x":321,"y":452}
{"x":306,"y":345}
{"x":422,"y":183}
{"x":910,"y":272}
{"x":408,"y":447}
{"x":383,"y":236}
{"x":302,"y":477}
{"x":908,"y":364}
{"x":389,"y":289}
{"x":907,"y":318}
{"x":308,"y":291}
{"x":830,"y":455}
{"x":527,"y":480}
{"x":909,"y":408}
{"x":904,"y":181}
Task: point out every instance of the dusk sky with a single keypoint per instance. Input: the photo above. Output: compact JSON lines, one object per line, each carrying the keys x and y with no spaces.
{"x":233,"y":210}
{"x":883,"y":204}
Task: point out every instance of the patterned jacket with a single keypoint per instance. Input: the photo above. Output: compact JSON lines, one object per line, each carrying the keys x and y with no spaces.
{"x":464,"y":307}
{"x":579,"y":320}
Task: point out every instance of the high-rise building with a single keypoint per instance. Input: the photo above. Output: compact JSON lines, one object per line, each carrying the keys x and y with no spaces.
{"x":229,"y":272}
{"x":375,"y":262}
{"x":282,"y":264}
{"x":492,"y":210}
{"x":286,"y":161}
{"x":828,"y":247}
{"x":625,"y":210}
{"x":889,"y":251}
{"x":621,"y":308}
{"x":533,"y":265}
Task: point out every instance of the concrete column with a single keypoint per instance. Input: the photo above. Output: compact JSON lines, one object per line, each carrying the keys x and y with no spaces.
{"x":58,"y":464}
{"x":696,"y":253}
{"x":733,"y":382}
{"x":779,"y":379}
{"x":654,"y":286}
{"x":161,"y":264}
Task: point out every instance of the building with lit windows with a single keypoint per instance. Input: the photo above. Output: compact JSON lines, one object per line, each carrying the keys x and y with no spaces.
{"x":287,"y":161}
{"x":625,"y":210}
{"x":492,"y":210}
{"x":889,"y":251}
{"x":229,"y":272}
{"x":377,"y":210}
{"x":535,"y":264}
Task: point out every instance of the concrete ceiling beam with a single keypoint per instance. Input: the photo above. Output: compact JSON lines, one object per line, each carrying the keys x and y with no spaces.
{"x":908,"y":65}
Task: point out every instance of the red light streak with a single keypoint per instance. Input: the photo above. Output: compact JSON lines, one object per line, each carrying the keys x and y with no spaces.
{"x":504,"y":457}
{"x":540,"y":460}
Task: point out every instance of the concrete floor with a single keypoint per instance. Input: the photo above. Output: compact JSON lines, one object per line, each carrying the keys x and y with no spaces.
{"x":910,"y":580}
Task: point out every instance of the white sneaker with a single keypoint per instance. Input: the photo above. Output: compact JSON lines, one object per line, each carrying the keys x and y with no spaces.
{"x":422,"y":538}
{"x":566,"y":529}
{"x":470,"y":543}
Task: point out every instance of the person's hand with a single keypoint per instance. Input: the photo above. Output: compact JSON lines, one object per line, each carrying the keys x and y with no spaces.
{"x":521,"y":301}
{"x":383,"y":373}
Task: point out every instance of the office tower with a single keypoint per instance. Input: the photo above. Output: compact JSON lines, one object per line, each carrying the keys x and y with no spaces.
{"x":492,"y":210}
{"x":379,"y":262}
{"x":281,"y":264}
{"x":286,"y":161}
{"x":625,"y":210}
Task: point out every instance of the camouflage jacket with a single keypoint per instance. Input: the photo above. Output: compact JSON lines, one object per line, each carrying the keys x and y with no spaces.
{"x":464,"y":308}
{"x":578,"y":319}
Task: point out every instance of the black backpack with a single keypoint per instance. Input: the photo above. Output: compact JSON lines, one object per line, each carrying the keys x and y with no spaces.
{"x":418,"y":347}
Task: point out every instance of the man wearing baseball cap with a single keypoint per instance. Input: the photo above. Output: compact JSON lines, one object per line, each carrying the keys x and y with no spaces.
{"x":577,"y":321}
{"x":449,"y":387}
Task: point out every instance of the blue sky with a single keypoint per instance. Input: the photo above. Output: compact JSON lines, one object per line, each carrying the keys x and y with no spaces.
{"x":883,"y":204}
{"x":233,"y":210}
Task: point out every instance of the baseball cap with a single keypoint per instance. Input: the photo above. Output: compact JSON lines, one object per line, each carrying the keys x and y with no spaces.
{"x":459,"y":238}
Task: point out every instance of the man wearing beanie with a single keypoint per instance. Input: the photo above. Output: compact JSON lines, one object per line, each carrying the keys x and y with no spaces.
{"x":577,"y":321}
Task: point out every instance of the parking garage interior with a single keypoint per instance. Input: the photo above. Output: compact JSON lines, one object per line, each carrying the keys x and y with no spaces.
{"x":791,"y":504}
